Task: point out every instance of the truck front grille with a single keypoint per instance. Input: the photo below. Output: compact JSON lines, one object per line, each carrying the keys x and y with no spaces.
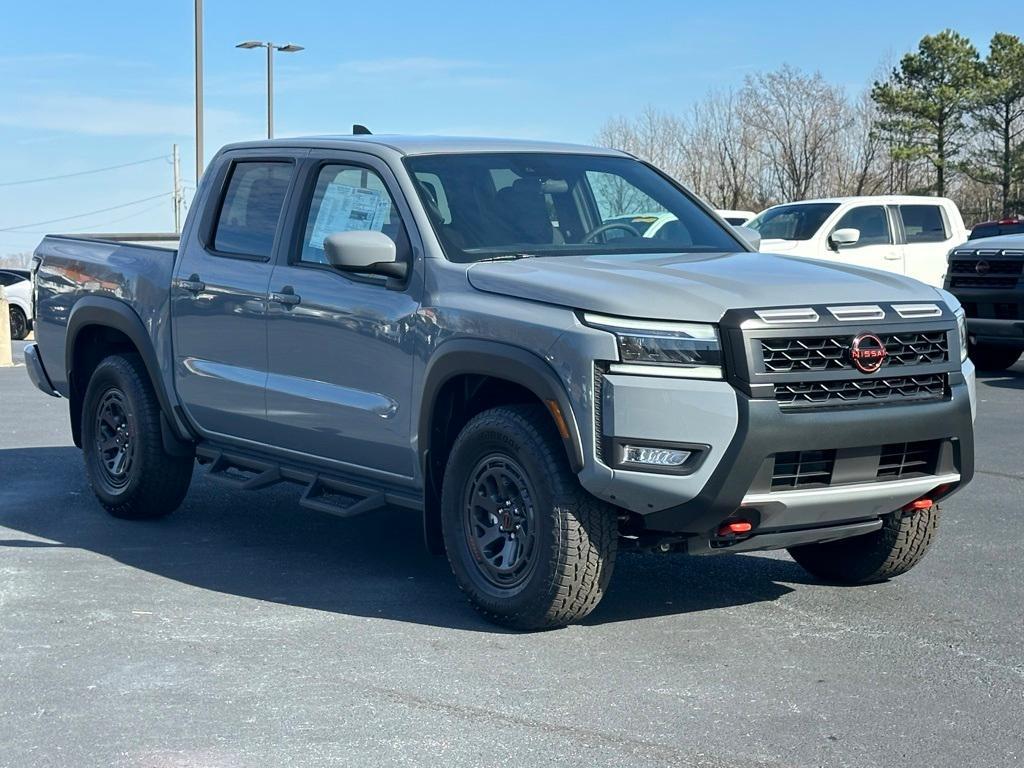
{"x":847,"y":392}
{"x":800,"y":469}
{"x":793,"y":470}
{"x":900,"y":460}
{"x":1000,"y":310}
{"x":1001,"y":267}
{"x":828,"y":353}
{"x":982,"y":281}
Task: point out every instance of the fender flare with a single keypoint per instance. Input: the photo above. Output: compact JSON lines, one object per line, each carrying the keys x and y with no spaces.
{"x":111,"y":313}
{"x":502,"y":361}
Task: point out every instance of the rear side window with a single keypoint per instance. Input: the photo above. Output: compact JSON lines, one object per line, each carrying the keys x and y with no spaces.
{"x":871,"y":221}
{"x":9,"y":278}
{"x":252,"y":207}
{"x":923,"y":223}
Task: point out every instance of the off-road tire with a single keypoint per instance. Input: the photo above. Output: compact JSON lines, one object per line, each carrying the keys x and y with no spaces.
{"x":993,"y":357}
{"x":155,"y":482}
{"x":576,"y":535}
{"x":892,"y":550}
{"x":19,"y":323}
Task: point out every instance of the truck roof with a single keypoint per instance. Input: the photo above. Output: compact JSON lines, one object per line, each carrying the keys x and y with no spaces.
{"x":879,"y":199}
{"x":381,"y":144}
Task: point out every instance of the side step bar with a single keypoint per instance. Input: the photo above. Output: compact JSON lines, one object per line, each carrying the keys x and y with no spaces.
{"x":323,"y":492}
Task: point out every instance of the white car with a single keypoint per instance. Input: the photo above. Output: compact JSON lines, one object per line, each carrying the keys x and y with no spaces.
{"x":910,"y":235}
{"x":736,"y":218}
{"x":19,"y":299}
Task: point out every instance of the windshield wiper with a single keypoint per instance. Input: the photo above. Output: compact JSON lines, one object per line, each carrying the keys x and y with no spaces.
{"x":508,"y":257}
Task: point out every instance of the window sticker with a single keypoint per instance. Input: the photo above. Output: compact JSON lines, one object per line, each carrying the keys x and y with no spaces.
{"x":345,"y":208}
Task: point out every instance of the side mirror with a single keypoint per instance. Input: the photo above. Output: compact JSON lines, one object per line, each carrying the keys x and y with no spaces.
{"x":750,"y":236}
{"x":845,"y":236}
{"x":364,"y":251}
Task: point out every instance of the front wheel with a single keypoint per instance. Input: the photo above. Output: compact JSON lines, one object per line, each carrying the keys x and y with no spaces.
{"x":993,"y":357}
{"x":130,"y":472}
{"x":893,"y":549}
{"x":529,"y":547}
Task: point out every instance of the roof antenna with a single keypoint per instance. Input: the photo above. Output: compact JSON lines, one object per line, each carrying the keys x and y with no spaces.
{"x":360,"y":130}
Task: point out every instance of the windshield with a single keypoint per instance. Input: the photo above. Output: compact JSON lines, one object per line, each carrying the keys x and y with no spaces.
{"x":792,"y":222}
{"x":506,"y":205}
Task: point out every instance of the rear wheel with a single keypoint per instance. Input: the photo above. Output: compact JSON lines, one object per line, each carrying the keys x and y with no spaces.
{"x":130,"y":472}
{"x":993,"y":357}
{"x":19,"y":323}
{"x":529,"y":547}
{"x":893,"y":549}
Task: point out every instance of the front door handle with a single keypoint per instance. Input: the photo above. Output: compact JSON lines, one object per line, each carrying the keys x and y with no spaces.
{"x":286,"y":297}
{"x":893,"y":256}
{"x":192,"y":285}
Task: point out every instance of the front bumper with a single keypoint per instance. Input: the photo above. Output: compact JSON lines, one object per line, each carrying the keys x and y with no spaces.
{"x":1002,"y":332}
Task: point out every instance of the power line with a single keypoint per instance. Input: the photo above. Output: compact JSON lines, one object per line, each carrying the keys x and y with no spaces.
{"x":82,"y":173}
{"x":107,"y":223}
{"x":83,"y":215}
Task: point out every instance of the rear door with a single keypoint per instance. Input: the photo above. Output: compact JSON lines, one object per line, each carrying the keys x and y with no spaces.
{"x":877,"y":247}
{"x":927,"y":236}
{"x":342,"y":346}
{"x":219,"y":295}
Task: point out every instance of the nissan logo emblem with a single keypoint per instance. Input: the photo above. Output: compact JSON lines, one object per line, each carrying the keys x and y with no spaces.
{"x":867,"y":353}
{"x":982,"y":267}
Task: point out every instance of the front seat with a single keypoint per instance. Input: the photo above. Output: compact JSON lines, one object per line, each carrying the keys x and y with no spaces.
{"x":523,"y":209}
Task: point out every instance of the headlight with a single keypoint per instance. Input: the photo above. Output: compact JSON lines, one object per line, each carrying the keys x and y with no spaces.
{"x":961,"y":326}
{"x":690,"y":350}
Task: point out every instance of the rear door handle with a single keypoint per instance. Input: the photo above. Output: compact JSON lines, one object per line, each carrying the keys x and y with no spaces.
{"x":286,"y":297}
{"x":192,"y":285}
{"x":893,"y":256}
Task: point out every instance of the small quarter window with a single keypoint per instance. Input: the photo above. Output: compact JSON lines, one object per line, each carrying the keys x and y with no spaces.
{"x":252,"y":208}
{"x":923,"y":224}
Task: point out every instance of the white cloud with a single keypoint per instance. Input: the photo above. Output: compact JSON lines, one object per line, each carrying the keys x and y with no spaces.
{"x":111,"y":116}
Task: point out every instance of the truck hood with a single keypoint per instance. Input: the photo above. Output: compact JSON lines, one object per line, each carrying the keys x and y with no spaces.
{"x":696,"y":287}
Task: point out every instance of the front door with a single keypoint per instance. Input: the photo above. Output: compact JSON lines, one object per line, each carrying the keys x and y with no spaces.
{"x":219,"y":300}
{"x":876,"y":248}
{"x":341,"y":347}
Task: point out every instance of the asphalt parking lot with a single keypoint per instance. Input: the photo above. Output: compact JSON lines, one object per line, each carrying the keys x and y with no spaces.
{"x":247,"y":631}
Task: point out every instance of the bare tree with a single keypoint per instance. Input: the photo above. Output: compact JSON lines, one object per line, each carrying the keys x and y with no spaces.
{"x":797,"y":117}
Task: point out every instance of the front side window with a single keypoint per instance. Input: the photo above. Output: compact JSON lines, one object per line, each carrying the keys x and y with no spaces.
{"x":799,"y":221}
{"x":871,"y":221}
{"x":503,"y":204}
{"x":252,"y":208}
{"x":923,"y":224}
{"x":347,"y":198}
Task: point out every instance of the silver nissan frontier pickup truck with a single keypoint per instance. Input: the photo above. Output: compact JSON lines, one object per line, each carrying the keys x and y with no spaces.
{"x":485,"y":333}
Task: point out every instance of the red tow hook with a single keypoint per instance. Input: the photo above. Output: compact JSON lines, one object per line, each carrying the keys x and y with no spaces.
{"x":731,"y":529}
{"x":919,"y":505}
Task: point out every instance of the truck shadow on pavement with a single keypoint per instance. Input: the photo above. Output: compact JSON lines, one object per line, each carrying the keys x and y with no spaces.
{"x":1011,"y":379}
{"x":264,"y":546}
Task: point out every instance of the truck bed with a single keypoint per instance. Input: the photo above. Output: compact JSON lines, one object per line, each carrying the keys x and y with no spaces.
{"x":76,"y":272}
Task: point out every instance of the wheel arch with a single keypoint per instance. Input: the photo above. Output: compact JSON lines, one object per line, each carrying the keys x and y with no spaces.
{"x":466,"y":371}
{"x":99,"y":326}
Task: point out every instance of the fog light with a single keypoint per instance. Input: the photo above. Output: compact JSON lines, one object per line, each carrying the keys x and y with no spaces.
{"x":654,"y":457}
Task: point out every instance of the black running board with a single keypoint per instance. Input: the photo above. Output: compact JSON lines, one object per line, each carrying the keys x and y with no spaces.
{"x":324,"y":492}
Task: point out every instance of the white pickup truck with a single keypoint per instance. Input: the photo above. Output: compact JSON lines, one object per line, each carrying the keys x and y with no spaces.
{"x":909,"y":235}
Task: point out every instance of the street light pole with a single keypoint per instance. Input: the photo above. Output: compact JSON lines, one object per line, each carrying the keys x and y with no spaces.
{"x":271,"y":47}
{"x":199,"y":89}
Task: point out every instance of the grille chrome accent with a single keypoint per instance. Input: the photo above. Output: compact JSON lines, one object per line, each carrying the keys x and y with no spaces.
{"x":916,"y":311}
{"x":830,"y":353}
{"x":853,"y":314}
{"x":780,"y":316}
{"x":837,"y":394}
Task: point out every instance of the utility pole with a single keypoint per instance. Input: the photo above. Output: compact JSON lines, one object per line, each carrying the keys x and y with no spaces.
{"x":178,"y":195}
{"x":199,"y":89}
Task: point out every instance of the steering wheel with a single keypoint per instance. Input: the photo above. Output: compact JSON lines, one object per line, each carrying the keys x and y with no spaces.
{"x":607,"y":228}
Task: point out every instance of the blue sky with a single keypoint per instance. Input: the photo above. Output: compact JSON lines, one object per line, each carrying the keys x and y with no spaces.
{"x":88,"y":85}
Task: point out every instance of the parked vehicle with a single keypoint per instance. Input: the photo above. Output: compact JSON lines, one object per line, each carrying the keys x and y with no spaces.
{"x":908,"y":235}
{"x":18,"y":287}
{"x":470,"y":330}
{"x":987,"y":276}
{"x":736,"y":218}
{"x":1010,"y":226}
